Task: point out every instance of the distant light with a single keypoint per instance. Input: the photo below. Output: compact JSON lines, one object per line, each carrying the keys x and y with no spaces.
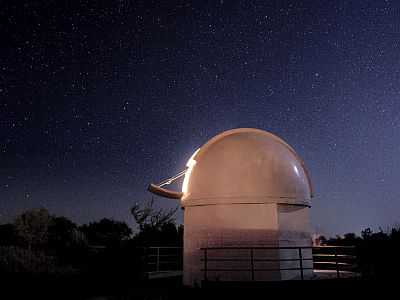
{"x":190,"y":164}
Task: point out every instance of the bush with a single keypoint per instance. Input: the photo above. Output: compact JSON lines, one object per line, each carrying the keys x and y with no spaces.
{"x":18,"y":260}
{"x":8,"y":235}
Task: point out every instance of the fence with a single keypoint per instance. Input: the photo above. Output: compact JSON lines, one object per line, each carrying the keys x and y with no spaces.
{"x":325,"y":258}
{"x":335,"y":258}
{"x":160,"y":259}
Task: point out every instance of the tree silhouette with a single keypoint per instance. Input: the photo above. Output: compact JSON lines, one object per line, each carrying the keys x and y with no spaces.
{"x":149,"y":216}
{"x":157,"y":226}
{"x":61,"y":232}
{"x":32,"y":226}
{"x":106,"y":232}
{"x":7,"y":235}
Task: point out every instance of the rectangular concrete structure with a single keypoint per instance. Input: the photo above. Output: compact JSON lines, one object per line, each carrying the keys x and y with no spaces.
{"x":245,"y":225}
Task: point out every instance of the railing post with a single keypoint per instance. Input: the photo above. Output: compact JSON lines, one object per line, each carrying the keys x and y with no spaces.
{"x":205,"y":264}
{"x":158,"y":259}
{"x":301,"y":264}
{"x":252,"y":264}
{"x":336,"y":263}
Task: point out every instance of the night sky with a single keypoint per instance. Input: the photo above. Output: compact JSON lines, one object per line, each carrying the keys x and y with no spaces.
{"x":99,"y":98}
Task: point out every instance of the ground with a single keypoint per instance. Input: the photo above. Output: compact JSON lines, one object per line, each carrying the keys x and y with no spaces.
{"x":172,"y":288}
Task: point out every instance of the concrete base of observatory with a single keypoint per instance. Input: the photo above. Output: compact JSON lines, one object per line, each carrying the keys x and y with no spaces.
{"x":245,"y":225}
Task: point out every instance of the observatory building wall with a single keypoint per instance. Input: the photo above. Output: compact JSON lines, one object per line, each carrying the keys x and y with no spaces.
{"x":294,"y":231}
{"x":245,"y":225}
{"x":228,"y":225}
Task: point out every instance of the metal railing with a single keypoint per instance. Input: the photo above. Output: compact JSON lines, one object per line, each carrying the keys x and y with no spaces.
{"x":337,"y":260}
{"x":251,"y":260}
{"x":324,"y":258}
{"x":159,"y":259}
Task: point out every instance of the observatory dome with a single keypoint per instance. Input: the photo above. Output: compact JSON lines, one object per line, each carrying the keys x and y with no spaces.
{"x":246,"y":165}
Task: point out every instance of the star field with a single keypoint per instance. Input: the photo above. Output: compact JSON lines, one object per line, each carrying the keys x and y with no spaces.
{"x":99,"y":99}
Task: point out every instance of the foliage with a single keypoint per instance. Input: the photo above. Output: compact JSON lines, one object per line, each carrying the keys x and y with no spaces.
{"x":61,"y":232}
{"x":149,"y":217}
{"x":78,"y":239}
{"x":349,"y":239}
{"x":39,"y":229}
{"x":157,"y":227}
{"x":106,"y":232}
{"x":168,"y":235}
{"x":32,"y":226}
{"x":19,"y":260}
{"x":377,"y":252}
{"x":7,"y":235}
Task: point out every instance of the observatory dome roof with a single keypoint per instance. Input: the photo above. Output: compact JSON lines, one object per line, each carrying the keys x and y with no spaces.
{"x":246,"y":165}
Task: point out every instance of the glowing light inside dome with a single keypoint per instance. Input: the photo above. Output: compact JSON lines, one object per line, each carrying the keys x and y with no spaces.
{"x":190,"y":164}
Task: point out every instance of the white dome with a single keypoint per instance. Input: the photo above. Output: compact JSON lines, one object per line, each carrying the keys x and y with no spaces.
{"x":246,"y":165}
